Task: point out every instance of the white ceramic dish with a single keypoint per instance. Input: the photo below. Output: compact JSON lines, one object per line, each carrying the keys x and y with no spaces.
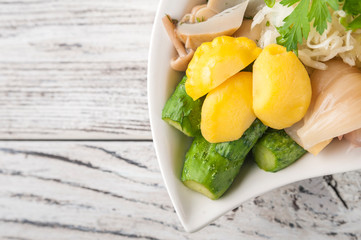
{"x":194,"y":210}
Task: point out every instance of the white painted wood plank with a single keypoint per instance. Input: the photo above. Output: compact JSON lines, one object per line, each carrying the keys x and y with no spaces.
{"x":113,"y":190}
{"x":74,"y":69}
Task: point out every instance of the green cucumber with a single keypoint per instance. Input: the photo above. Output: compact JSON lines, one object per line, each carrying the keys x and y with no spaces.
{"x":206,"y":171}
{"x":181,"y":112}
{"x":210,"y":168}
{"x":239,"y":149}
{"x":276,"y":150}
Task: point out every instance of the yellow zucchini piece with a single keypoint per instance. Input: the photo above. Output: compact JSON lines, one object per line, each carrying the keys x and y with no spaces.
{"x":227,"y":110}
{"x":216,"y":61}
{"x":281,"y":87}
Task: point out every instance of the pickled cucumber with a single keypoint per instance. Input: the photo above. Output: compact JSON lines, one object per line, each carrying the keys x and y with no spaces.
{"x":210,"y":168}
{"x":276,"y":150}
{"x":181,"y":112}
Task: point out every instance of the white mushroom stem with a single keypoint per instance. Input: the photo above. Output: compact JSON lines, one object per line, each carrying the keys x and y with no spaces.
{"x":169,"y":27}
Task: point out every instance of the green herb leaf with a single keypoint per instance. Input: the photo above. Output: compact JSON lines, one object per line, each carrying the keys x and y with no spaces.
{"x":289,"y":3}
{"x":352,"y":7}
{"x":270,"y":3}
{"x":319,"y":11}
{"x":296,"y":26}
{"x":200,"y":19}
{"x":355,"y":24}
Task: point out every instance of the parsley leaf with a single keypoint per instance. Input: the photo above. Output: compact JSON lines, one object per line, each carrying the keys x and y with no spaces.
{"x":319,"y":11}
{"x":355,"y":24}
{"x":296,"y":25}
{"x":352,"y":7}
{"x":352,"y":21}
{"x":289,"y":3}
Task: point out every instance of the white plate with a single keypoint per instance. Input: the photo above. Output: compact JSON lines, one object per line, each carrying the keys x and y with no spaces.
{"x":194,"y":210}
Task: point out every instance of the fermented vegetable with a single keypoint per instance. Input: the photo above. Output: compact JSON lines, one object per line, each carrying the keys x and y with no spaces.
{"x":211,"y":168}
{"x":239,"y":149}
{"x":335,"y":107}
{"x":206,"y":171}
{"x":214,"y":62}
{"x":181,"y":112}
{"x":225,"y":23}
{"x":291,"y":26}
{"x":281,"y":87}
{"x":227,"y":109}
{"x":298,"y":38}
{"x":276,"y":150}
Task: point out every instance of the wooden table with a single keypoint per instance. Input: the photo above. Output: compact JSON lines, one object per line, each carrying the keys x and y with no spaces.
{"x":76,"y":153}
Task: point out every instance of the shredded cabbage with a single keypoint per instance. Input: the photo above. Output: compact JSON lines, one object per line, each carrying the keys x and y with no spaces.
{"x":336,"y":41}
{"x":270,"y":18}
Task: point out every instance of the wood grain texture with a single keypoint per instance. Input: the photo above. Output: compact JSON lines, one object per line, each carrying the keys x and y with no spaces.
{"x":74,"y":69}
{"x":77,"y":70}
{"x":113,"y":190}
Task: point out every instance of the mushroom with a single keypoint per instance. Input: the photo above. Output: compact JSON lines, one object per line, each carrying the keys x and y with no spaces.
{"x":199,"y":13}
{"x":190,"y":17}
{"x":197,"y":8}
{"x":179,"y":63}
{"x":203,"y":14}
{"x":221,"y":5}
{"x":224,"y":23}
{"x":246,"y":31}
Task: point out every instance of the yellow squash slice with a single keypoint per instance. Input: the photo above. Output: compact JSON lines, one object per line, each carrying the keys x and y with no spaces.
{"x":227,"y":110}
{"x":214,"y":62}
{"x":281,"y":87}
